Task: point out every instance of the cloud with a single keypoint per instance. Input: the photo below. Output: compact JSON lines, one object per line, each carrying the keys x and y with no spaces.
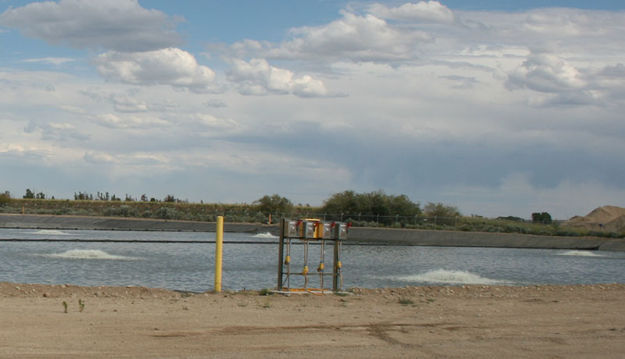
{"x":114,"y":121}
{"x":119,"y":25}
{"x":427,"y":32}
{"x":125,"y":103}
{"x":99,"y":158}
{"x":423,"y":11}
{"x":170,"y":66}
{"x":50,"y":60}
{"x":547,"y":73}
{"x":568,"y":23}
{"x":56,"y":131}
{"x":354,"y":37}
{"x":609,"y":81}
{"x":213,"y":123}
{"x":566,"y":84}
{"x":257,"y":77}
{"x":216,"y":103}
{"x":23,"y":154}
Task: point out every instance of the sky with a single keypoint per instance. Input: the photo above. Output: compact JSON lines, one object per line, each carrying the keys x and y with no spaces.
{"x":500,"y":108}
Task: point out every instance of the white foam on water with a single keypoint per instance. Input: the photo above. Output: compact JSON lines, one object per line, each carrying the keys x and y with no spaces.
{"x":264,"y":235}
{"x":577,"y":253}
{"x":443,"y":276}
{"x":50,"y":232}
{"x":89,"y":254}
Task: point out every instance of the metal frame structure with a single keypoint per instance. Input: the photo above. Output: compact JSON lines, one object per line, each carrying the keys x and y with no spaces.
{"x":309,"y":231}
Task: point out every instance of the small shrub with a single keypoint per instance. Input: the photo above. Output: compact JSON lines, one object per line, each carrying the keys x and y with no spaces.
{"x":167,"y":213}
{"x":5,"y":199}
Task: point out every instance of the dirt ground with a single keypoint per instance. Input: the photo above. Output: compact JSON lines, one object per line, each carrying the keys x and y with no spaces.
{"x":411,"y":322}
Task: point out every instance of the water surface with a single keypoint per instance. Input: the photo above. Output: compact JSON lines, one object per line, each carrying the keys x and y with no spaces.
{"x":190,"y":266}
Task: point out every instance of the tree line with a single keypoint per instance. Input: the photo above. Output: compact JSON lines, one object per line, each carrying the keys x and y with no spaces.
{"x":361,"y":209}
{"x":99,"y":196}
{"x":376,"y":206}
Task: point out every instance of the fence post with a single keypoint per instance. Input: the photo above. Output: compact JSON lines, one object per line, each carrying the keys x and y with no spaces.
{"x":281,"y":252}
{"x":219,"y":238}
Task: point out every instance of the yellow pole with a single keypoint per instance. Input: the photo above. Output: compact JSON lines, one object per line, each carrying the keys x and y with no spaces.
{"x":219,"y":240}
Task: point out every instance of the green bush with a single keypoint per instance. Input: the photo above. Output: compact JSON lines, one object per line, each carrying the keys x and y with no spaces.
{"x":5,"y":199}
{"x":167,"y":213}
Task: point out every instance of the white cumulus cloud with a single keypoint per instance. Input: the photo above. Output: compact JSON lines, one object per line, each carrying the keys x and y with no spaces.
{"x":547,"y":73}
{"x":422,"y":11}
{"x":258,"y":77}
{"x":354,"y":37}
{"x":561,"y":82}
{"x":120,"y":25}
{"x":170,"y":66}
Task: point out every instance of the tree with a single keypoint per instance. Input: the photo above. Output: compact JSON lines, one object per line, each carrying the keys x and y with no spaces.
{"x":83,"y":196}
{"x":169,"y":198}
{"x":40,"y":195}
{"x":543,"y":217}
{"x":274,"y":204}
{"x":344,"y":202}
{"x":373,"y":206}
{"x":404,"y":206}
{"x":440,"y":210}
{"x":441,"y":213}
{"x":29,"y":194}
{"x":5,"y":198}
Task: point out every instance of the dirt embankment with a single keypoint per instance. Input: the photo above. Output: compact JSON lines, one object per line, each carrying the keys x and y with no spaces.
{"x":381,"y":236}
{"x":606,"y":218}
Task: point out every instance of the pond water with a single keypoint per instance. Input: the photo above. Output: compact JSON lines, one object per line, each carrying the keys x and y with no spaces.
{"x":170,"y":261}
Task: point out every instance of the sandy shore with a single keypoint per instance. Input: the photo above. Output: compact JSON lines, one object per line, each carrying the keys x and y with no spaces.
{"x":423,"y":322}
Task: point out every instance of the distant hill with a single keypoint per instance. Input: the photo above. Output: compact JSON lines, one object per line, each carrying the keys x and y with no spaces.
{"x":606,"y":218}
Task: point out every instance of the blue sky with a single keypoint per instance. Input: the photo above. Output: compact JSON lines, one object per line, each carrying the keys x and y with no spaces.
{"x":496,"y":107}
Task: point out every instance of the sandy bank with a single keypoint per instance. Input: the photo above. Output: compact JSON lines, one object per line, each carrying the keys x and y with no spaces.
{"x":424,"y":322}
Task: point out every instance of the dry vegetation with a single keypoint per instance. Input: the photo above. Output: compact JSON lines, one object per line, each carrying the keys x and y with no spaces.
{"x":608,"y":221}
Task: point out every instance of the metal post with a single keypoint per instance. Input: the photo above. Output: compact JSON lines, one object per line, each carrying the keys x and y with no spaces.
{"x":219,"y":238}
{"x":321,"y":267}
{"x":335,"y":266}
{"x":281,"y":252}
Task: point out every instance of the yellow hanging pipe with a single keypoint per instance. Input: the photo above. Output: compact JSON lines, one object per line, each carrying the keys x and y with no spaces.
{"x":219,"y":240}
